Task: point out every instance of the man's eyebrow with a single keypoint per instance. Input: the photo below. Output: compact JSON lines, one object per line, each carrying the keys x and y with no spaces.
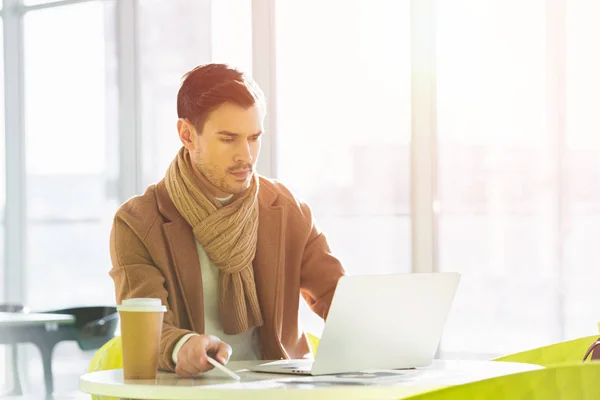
{"x":227,"y":133}
{"x":233,"y":135}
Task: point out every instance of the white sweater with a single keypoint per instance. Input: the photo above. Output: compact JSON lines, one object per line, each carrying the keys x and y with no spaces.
{"x":245,"y":346}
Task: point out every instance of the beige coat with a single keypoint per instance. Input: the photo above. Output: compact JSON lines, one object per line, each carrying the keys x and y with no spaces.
{"x":153,"y":254}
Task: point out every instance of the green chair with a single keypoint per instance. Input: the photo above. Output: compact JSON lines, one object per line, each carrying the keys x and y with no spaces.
{"x":566,"y":382}
{"x":559,"y":353}
{"x":109,"y":356}
{"x":313,"y":342}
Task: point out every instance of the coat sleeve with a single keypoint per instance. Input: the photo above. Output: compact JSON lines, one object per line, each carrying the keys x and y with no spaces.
{"x":135,"y":275}
{"x":320,"y":270}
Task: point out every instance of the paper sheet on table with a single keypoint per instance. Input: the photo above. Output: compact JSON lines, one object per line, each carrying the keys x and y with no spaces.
{"x":366,"y":378}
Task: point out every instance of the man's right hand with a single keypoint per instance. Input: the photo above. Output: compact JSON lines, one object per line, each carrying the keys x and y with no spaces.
{"x":191,"y":358}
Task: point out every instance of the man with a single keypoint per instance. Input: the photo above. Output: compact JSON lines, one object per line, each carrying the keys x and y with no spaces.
{"x":227,"y":251}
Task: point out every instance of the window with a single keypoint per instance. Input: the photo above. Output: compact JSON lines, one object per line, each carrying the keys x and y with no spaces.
{"x":69,"y":121}
{"x":343,"y":124}
{"x":70,"y":128}
{"x":497,"y":182}
{"x":581,"y":174}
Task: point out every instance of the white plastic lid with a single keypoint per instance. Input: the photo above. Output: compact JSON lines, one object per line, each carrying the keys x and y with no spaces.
{"x":142,"y":305}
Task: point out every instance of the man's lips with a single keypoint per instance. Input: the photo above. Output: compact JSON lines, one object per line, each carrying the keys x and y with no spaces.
{"x":243,"y":174}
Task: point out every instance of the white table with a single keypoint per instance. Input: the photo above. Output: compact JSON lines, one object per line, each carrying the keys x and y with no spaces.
{"x":11,"y":320}
{"x":213,"y":385}
{"x":36,"y":328}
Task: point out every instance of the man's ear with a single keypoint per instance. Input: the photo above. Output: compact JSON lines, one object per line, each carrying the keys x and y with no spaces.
{"x":186,"y":133}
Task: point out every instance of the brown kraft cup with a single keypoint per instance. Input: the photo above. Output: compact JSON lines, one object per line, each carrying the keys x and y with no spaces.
{"x":141,"y":327}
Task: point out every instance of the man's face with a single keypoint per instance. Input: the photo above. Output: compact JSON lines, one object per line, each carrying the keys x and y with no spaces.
{"x":226,"y":150}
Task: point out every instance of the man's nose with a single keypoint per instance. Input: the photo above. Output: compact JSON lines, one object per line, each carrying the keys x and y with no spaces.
{"x":243,"y":153}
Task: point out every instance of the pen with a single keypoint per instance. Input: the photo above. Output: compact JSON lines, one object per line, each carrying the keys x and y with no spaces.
{"x":223,"y":369}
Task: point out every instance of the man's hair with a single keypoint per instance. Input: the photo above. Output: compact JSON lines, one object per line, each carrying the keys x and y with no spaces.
{"x":208,"y":86}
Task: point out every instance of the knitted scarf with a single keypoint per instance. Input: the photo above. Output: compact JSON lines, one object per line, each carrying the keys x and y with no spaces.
{"x":228,"y":234}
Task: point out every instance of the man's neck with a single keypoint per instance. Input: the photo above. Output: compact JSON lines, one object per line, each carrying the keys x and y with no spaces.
{"x":225,"y":200}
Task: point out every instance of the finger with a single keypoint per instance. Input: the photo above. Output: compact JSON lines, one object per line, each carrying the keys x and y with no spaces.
{"x":212,"y":343}
{"x":223,"y":353}
{"x":218,"y":349}
{"x":212,"y":346}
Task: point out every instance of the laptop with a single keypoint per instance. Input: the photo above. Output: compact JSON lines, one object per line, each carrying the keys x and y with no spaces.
{"x":379,"y":322}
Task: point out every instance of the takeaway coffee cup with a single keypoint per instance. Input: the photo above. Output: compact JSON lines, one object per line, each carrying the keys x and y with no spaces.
{"x":141,"y":326}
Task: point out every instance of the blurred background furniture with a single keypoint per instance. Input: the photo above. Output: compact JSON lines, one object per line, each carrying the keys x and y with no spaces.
{"x":91,"y":327}
{"x":15,"y":389}
{"x":569,"y":351}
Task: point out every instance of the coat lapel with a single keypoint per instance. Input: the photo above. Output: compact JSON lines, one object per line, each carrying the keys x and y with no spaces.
{"x":184,"y":255}
{"x":268,"y":271}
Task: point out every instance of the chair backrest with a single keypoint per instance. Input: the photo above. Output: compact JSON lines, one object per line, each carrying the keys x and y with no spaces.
{"x":13,"y":307}
{"x":558,"y":353}
{"x":313,"y":342}
{"x":109,"y":356}
{"x":566,"y":382}
{"x":94,"y":326}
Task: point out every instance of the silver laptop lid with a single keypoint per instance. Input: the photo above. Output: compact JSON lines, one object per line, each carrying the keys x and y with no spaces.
{"x":385,"y":321}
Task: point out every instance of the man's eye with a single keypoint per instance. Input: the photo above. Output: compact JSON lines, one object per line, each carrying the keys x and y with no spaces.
{"x":227,"y":140}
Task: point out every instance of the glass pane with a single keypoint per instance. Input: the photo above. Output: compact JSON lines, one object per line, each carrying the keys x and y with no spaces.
{"x":231,"y":33}
{"x":174,"y":37}
{"x":80,"y":254}
{"x":496,"y":176}
{"x":343,"y":124}
{"x":582,"y":173}
{"x":70,"y":131}
{"x":69,"y":120}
